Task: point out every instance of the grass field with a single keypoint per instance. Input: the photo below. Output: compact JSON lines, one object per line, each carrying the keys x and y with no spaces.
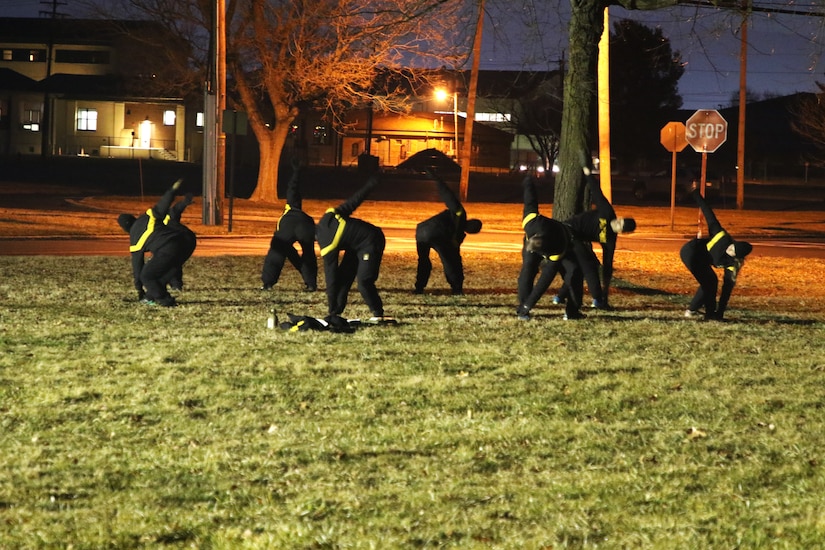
{"x":125,"y":426}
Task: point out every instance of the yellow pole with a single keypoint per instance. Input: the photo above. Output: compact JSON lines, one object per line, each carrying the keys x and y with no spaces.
{"x":604,"y":109}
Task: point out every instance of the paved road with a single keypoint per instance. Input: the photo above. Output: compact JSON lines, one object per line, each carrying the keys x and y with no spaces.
{"x":398,"y":240}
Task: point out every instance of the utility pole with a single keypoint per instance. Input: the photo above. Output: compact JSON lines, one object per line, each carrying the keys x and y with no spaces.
{"x":467,"y":148}
{"x":45,"y":124}
{"x":743,"y":87}
{"x":604,"y":109}
{"x":214,"y":104}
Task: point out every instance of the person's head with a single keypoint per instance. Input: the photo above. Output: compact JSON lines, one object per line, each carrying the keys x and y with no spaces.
{"x":623,"y":225}
{"x":534,"y":243}
{"x":739,"y":249}
{"x":473,"y":226}
{"x":125,"y":221}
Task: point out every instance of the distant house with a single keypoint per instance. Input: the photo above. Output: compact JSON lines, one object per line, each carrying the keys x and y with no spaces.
{"x":77,"y":87}
{"x":433,"y":123}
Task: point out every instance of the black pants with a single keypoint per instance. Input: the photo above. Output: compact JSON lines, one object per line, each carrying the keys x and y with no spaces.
{"x":363,"y":265}
{"x":189,"y":240}
{"x":165,"y":259}
{"x":697,"y":259}
{"x":281,"y":250}
{"x":450,"y":256}
{"x":590,"y":265}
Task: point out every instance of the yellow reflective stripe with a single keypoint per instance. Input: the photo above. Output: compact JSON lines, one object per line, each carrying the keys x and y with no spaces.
{"x":528,"y":218}
{"x":150,"y":228}
{"x":337,"y":238}
{"x":287,"y":208}
{"x":602,"y":230}
{"x":296,"y":327}
{"x":715,"y":239}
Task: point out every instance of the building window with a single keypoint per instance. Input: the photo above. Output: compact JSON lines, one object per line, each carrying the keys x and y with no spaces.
{"x":91,"y":57}
{"x":493,"y":117}
{"x":30,"y":117}
{"x":87,"y":120}
{"x":199,"y":120}
{"x":169,"y":118}
{"x":24,"y":54}
{"x":320,"y":135}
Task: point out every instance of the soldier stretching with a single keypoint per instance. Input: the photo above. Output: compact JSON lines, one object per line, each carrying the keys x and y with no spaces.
{"x":443,"y":233}
{"x":294,"y":225}
{"x":701,"y":255}
{"x":169,"y":245}
{"x":362,"y":245}
{"x":547,"y":247}
{"x":600,"y":225}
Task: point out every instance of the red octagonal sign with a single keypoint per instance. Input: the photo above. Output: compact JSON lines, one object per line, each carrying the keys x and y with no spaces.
{"x":706,"y":130}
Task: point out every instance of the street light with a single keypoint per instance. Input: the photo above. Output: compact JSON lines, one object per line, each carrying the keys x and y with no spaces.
{"x":442,"y":95}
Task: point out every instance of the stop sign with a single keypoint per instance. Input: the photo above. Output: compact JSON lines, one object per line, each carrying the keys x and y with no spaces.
{"x":706,"y":130}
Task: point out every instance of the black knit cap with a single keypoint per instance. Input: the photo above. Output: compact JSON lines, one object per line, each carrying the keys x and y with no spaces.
{"x":125,"y":221}
{"x":742,"y":248}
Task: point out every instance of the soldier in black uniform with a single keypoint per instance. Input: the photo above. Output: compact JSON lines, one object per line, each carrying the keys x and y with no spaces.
{"x":547,"y":247}
{"x":600,"y":225}
{"x":444,"y":233}
{"x":294,"y":225}
{"x":362,"y":245}
{"x":701,"y":255}
{"x":169,"y":245}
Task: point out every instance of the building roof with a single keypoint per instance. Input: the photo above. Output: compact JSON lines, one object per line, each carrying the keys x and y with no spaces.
{"x":32,"y":30}
{"x":13,"y":81}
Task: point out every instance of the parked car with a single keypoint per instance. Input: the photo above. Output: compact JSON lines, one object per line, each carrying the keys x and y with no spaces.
{"x":432,"y":160}
{"x":658,"y":185}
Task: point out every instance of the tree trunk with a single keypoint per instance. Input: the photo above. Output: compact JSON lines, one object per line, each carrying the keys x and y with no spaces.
{"x":271,"y":144}
{"x":580,"y":91}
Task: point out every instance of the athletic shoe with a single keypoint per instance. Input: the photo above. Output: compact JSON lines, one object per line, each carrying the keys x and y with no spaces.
{"x":381,"y":320}
{"x":148,"y":302}
{"x":523,"y":316}
{"x":574,"y":316}
{"x":557,"y":300}
{"x":266,"y":287}
{"x":691,"y":313}
{"x":599,"y":304}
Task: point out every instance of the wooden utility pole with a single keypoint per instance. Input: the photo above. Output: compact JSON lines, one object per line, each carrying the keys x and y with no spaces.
{"x":467,"y":147}
{"x":743,"y":98}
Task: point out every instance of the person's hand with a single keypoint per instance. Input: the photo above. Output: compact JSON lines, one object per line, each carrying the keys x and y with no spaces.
{"x":177,"y":185}
{"x":586,"y":170}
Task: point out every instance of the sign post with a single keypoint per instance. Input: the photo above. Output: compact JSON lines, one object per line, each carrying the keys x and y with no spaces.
{"x":705,"y":131}
{"x":672,"y":137}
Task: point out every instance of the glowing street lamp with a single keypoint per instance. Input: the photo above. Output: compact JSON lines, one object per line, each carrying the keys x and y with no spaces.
{"x":442,"y":95}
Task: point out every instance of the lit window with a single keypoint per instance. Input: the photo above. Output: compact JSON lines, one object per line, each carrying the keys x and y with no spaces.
{"x":169,"y":118}
{"x":30,"y":117}
{"x":87,"y":120}
{"x":7,"y":55}
{"x":199,"y":120}
{"x":493,"y":117}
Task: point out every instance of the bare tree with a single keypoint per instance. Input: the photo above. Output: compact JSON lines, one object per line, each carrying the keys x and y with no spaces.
{"x":808,"y":120}
{"x":285,"y":56}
